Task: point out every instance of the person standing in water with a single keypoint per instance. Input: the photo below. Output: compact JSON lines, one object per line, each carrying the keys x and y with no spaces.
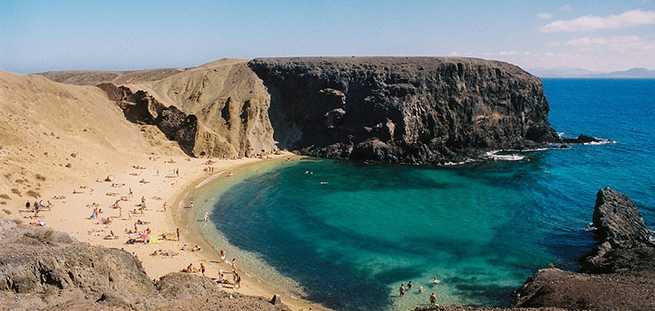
{"x":206,"y":218}
{"x":433,"y":298}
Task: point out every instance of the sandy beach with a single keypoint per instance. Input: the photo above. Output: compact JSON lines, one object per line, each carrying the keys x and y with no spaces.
{"x":159,"y":181}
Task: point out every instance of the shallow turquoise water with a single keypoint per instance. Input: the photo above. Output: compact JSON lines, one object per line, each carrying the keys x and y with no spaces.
{"x":350,"y":234}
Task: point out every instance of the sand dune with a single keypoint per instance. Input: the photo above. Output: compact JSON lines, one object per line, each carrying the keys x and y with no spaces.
{"x":60,"y":131}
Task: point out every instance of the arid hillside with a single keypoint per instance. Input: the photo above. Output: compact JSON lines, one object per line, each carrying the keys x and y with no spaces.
{"x":51,"y":131}
{"x":228,"y":100}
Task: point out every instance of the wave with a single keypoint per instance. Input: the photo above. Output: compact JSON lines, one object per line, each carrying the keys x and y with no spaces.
{"x":460,"y":162}
{"x":601,"y":141}
{"x":503,"y":157}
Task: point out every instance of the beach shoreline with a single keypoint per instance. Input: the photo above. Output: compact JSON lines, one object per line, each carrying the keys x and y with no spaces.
{"x":158,"y":181}
{"x":191,"y":220}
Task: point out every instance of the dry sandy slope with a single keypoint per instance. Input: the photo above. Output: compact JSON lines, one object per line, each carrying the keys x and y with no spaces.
{"x":63,"y":132}
{"x":230,"y":101}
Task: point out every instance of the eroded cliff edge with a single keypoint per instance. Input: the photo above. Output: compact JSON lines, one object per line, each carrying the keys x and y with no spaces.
{"x":415,"y":110}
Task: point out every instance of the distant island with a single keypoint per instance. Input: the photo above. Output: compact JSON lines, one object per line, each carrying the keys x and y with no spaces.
{"x":569,"y":72}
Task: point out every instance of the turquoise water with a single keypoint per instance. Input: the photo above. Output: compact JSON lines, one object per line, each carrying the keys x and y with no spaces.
{"x":350,"y":234}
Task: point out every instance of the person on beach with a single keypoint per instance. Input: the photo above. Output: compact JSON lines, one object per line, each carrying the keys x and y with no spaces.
{"x":27,"y":205}
{"x":94,"y":214}
{"x":237,"y":280}
{"x":202,"y":269}
{"x":206,"y":218}
{"x":401,"y":290}
{"x":222,"y":254}
{"x":234,"y":264}
{"x":164,"y":207}
{"x":433,"y":298}
{"x":177,"y":233}
{"x":409,"y":285}
{"x":131,"y":193}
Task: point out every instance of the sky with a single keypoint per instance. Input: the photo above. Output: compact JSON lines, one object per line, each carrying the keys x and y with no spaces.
{"x":600,"y":35}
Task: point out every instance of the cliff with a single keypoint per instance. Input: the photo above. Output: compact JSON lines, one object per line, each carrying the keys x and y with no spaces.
{"x":219,"y":109}
{"x":414,"y":110}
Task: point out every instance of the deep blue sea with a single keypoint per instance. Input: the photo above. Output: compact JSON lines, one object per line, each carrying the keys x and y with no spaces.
{"x":350,"y":234}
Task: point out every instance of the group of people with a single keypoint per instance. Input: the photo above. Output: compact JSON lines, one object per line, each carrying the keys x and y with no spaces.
{"x":221,"y":278}
{"x":405,"y":288}
{"x":37,"y":207}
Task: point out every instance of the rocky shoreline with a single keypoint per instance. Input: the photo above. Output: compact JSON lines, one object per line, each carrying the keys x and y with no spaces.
{"x":619,"y":274}
{"x":44,"y":269}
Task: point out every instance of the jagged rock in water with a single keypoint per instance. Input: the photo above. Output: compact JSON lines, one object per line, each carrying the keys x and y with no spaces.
{"x":581,"y":139}
{"x":417,"y":110}
{"x":620,"y":272}
{"x":625,"y":243}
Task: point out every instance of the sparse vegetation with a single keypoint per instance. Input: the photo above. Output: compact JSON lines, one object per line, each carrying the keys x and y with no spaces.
{"x":5,"y":196}
{"x":16,"y":192}
{"x":39,"y":177}
{"x":8,"y":212}
{"x":33,"y":194}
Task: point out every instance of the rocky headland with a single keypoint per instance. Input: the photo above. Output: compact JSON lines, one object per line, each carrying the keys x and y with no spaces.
{"x":412,"y":110}
{"x":415,"y":110}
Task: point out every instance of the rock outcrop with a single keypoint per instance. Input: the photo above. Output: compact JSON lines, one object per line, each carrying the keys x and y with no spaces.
{"x":142,"y":108}
{"x":619,"y":275}
{"x":417,"y":110}
{"x":625,"y":243}
{"x":41,"y":269}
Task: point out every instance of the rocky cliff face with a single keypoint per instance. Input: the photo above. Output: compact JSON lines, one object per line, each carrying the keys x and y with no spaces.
{"x":410,"y":110}
{"x":46,"y":270}
{"x":142,"y":108}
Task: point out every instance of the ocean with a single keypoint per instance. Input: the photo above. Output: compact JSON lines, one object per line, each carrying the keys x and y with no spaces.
{"x":350,"y":234}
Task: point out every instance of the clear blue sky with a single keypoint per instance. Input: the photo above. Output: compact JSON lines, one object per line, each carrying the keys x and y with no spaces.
{"x":50,"y":35}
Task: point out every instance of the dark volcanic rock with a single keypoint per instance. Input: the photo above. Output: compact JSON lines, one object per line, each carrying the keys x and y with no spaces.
{"x":140,"y":107}
{"x":581,"y":139}
{"x":403,"y":109}
{"x":625,"y":243}
{"x":624,"y":259}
